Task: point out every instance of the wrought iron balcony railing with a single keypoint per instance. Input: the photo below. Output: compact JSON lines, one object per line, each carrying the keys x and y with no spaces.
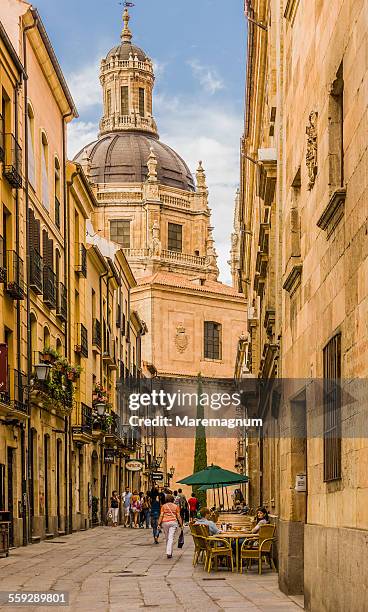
{"x":2,"y":261}
{"x":35,"y":271}
{"x":20,"y":391}
{"x":49,"y":287}
{"x":96,"y":334}
{"x":81,"y":265}
{"x":12,"y":161}
{"x":61,"y":302}
{"x":84,"y":419}
{"x":15,"y":286}
{"x":82,"y":340}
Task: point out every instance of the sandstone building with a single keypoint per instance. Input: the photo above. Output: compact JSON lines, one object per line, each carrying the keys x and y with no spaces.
{"x":302,"y":221}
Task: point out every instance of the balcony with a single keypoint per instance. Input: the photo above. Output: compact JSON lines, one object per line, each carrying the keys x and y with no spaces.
{"x":15,"y":286}
{"x":109,"y":353}
{"x":12,"y":170}
{"x":13,"y":397}
{"x":83,"y":424}
{"x":61,"y":302}
{"x":82,"y":346}
{"x":81,"y":266}
{"x":129,"y":437}
{"x":2,"y":261}
{"x":96,"y":335}
{"x":35,"y":282}
{"x":114,"y":430}
{"x":49,"y":287}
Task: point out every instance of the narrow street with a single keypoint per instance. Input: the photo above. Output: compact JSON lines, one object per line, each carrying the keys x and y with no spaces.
{"x":109,"y":569}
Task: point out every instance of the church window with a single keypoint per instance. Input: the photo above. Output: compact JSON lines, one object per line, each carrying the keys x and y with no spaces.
{"x":45,"y":172}
{"x":31,"y":155}
{"x":141,"y":101}
{"x":336,"y":131}
{"x":332,"y":409}
{"x":175,"y":234}
{"x":124,"y":103}
{"x":212,"y":340}
{"x":120,"y":232}
{"x":108,"y":102}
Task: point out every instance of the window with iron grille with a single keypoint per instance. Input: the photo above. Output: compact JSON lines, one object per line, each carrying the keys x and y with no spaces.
{"x":141,"y":101}
{"x":175,"y":237}
{"x":332,"y":409}
{"x":212,"y":340}
{"x":120,"y":232}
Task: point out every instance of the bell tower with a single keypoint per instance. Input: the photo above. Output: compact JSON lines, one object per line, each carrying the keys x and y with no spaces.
{"x":127,"y":80}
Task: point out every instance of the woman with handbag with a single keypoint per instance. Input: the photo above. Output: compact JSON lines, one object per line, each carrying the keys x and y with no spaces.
{"x":169,"y":520}
{"x":114,"y":508}
{"x":135,"y":506}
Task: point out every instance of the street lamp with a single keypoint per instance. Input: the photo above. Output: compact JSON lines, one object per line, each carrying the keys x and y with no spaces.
{"x":42,"y":371}
{"x":172,"y":471}
{"x":100,"y":409}
{"x":159,"y":460}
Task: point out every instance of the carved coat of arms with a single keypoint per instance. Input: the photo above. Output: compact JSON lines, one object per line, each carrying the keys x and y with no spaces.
{"x":181,"y":339}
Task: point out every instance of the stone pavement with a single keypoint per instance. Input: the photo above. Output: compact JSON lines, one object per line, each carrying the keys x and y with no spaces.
{"x":110,"y":569}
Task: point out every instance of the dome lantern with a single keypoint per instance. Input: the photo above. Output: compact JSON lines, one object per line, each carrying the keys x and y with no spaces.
{"x":127,"y":80}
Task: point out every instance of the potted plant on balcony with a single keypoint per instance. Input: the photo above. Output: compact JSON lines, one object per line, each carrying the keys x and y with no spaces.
{"x":73,"y":373}
{"x":49,"y":355}
{"x":100,"y":395}
{"x":61,"y":365}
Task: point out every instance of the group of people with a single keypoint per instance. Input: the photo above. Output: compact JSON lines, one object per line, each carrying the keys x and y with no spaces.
{"x":163,"y":511}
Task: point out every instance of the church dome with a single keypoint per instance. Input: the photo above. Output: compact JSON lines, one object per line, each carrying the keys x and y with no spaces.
{"x":124,"y":50}
{"x":121,"y":157}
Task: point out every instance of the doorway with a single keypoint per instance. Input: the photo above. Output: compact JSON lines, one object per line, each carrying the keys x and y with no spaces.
{"x":11,"y":494}
{"x":46,"y":449}
{"x":58,"y":482}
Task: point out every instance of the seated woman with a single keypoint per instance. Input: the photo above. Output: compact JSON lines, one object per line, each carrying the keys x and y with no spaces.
{"x":262,"y":518}
{"x":205,"y":520}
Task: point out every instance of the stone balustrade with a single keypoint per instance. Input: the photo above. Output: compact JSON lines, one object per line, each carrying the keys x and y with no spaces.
{"x":174,"y":201}
{"x":174,"y":256}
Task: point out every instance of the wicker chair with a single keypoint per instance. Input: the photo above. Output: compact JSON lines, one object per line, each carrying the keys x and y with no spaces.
{"x":216,"y":548}
{"x":200,"y":548}
{"x":261,"y":549}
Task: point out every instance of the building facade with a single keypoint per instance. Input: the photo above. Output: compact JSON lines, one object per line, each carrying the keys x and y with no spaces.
{"x":70,"y":341}
{"x":303,"y":257}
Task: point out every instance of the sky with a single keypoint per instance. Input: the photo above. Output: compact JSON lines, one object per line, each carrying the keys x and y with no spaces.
{"x":198,"y":48}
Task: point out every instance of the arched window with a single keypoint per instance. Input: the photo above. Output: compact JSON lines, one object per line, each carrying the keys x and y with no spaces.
{"x":57,"y":193}
{"x":31,"y":146}
{"x":45,"y":171}
{"x":46,"y":337}
{"x":34,"y":343}
{"x":212,"y":340}
{"x":59,"y":346}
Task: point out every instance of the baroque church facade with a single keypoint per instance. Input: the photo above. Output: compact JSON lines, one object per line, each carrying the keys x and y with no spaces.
{"x":150,"y":205}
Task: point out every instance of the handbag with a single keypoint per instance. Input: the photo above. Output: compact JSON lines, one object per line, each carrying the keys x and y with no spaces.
{"x":181,"y":539}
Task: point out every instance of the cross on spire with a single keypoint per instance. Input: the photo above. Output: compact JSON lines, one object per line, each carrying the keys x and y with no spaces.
{"x":126,"y":35}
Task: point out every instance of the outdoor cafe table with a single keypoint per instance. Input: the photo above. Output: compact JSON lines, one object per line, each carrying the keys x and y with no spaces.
{"x":235,"y":536}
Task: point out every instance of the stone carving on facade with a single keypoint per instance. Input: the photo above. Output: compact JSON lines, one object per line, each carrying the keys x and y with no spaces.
{"x":245,"y":341}
{"x":201,"y":177}
{"x":155,"y":249}
{"x":181,"y":338}
{"x":311,"y":155}
{"x":152,"y":167}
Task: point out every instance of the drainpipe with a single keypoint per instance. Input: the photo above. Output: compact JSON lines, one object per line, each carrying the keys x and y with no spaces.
{"x":28,"y":298}
{"x":67,"y":420}
{"x":101,"y":377}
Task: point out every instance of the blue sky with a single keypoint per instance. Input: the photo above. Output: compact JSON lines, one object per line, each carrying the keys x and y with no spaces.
{"x":198,"y":47}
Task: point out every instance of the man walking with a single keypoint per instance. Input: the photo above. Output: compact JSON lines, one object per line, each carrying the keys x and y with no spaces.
{"x":126,"y":506}
{"x":193,"y":506}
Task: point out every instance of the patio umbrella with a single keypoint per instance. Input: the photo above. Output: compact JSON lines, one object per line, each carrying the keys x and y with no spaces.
{"x":214,"y":475}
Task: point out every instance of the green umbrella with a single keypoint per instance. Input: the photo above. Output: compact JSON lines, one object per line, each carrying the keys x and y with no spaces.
{"x":214,"y":475}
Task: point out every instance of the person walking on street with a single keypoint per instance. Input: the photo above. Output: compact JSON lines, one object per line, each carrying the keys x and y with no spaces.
{"x":114,"y":508}
{"x":155,"y":515}
{"x":146,"y":509}
{"x":193,"y":506}
{"x":169,"y":519}
{"x":126,"y":506}
{"x":183,"y":505}
{"x":135,"y":507}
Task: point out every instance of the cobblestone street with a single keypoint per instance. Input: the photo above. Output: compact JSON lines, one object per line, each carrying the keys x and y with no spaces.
{"x":120,"y":569}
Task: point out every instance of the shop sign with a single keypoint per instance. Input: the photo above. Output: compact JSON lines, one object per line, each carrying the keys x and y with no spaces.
{"x":301,"y":483}
{"x":109,"y":455}
{"x":134,"y":465}
{"x":157,"y":476}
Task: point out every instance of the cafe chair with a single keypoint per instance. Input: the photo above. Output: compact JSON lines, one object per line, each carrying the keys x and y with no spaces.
{"x":200,"y":547}
{"x":216,"y":548}
{"x":259,"y":549}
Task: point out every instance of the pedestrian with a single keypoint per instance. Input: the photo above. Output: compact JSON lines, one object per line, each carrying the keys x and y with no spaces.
{"x":126,"y":506}
{"x":146,"y":509}
{"x":135,"y":507}
{"x":162,"y":497}
{"x":155,"y":515}
{"x":169,"y":519}
{"x":141,"y":513}
{"x":183,"y":505}
{"x":176,"y":498}
{"x":114,"y":508}
{"x":193,"y":506}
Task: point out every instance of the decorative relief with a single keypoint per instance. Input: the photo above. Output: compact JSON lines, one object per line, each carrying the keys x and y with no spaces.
{"x":156,"y":247}
{"x":311,"y":155}
{"x":181,"y":338}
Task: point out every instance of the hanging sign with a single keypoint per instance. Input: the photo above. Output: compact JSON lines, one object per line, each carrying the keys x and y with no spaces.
{"x":109,"y":455}
{"x":134,"y":465}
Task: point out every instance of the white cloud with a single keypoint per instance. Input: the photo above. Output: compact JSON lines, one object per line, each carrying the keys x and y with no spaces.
{"x":159,"y":68}
{"x":80,"y":133}
{"x":208,"y":77}
{"x":85,"y":86}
